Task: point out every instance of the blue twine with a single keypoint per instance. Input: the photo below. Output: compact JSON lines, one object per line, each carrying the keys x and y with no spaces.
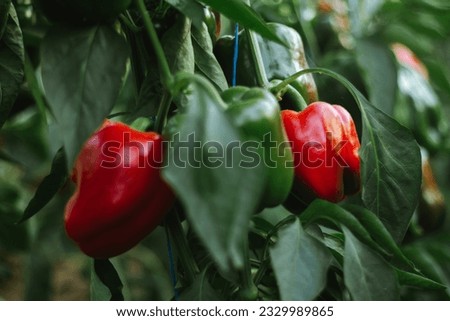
{"x":235,"y":54}
{"x":173,"y":275}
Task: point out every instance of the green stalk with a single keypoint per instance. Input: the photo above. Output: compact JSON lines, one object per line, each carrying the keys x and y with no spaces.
{"x":248,"y":291}
{"x":163,"y":110}
{"x":261,"y":76}
{"x":181,"y":247}
{"x":167,"y":77}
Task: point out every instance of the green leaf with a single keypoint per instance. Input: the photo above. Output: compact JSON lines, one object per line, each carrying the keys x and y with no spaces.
{"x":200,"y":290}
{"x":219,"y":196}
{"x":378,"y":231}
{"x":191,"y":9}
{"x":11,"y":64}
{"x":49,"y":186}
{"x":323,"y":210}
{"x":82,"y":71}
{"x":105,"y":282}
{"x":5,"y":6}
{"x":379,"y":71}
{"x":366,"y":274}
{"x":238,"y":11}
{"x":177,"y":45}
{"x":300,"y":263}
{"x":412,"y":279}
{"x":205,"y":61}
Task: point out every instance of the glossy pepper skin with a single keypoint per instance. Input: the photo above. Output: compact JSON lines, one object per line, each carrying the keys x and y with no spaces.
{"x":279,"y":62}
{"x":256,"y":113}
{"x":120,"y":197}
{"x":325,"y":145}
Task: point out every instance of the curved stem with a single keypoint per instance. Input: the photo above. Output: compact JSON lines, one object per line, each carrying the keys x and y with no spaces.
{"x":167,"y":77}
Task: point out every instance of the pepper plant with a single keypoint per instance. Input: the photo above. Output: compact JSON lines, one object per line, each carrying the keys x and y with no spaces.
{"x":224,"y":150}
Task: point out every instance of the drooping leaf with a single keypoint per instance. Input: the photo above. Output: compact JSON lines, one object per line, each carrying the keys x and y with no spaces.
{"x":367,"y":275}
{"x":323,"y":210}
{"x":11,"y":64}
{"x":208,"y":173}
{"x":300,"y":263}
{"x":82,"y":71}
{"x":191,"y":9}
{"x":378,"y":231}
{"x":106,"y":284}
{"x":379,"y":71}
{"x":412,"y":279}
{"x":5,"y":6}
{"x":205,"y":61}
{"x":238,"y":11}
{"x":177,"y":45}
{"x":49,"y":186}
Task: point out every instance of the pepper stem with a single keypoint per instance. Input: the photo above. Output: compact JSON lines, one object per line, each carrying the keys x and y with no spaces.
{"x":166,"y":74}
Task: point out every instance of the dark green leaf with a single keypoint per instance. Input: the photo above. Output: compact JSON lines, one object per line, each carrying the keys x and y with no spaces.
{"x":238,"y":11}
{"x":378,"y":231}
{"x":49,"y":186}
{"x":5,"y":6}
{"x":11,"y":64}
{"x":177,"y":45}
{"x":191,"y":9}
{"x":205,"y":61}
{"x":219,"y":197}
{"x":300,"y":263}
{"x":412,"y":279}
{"x":379,"y":71}
{"x":323,"y":210}
{"x":82,"y":73}
{"x":105,"y":282}
{"x":366,"y":274}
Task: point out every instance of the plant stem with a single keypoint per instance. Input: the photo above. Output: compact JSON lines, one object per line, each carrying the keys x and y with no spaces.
{"x":167,"y":77}
{"x":248,"y":291}
{"x":163,"y":110}
{"x":182,"y":248}
{"x":261,"y":76}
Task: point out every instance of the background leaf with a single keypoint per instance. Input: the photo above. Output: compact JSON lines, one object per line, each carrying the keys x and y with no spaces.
{"x":219,"y":199}
{"x":300,"y":263}
{"x":11,"y":64}
{"x":379,"y":71}
{"x":82,"y":71}
{"x":366,"y":275}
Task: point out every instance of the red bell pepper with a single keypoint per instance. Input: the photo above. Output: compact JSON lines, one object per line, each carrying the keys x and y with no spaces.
{"x":120,"y":196}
